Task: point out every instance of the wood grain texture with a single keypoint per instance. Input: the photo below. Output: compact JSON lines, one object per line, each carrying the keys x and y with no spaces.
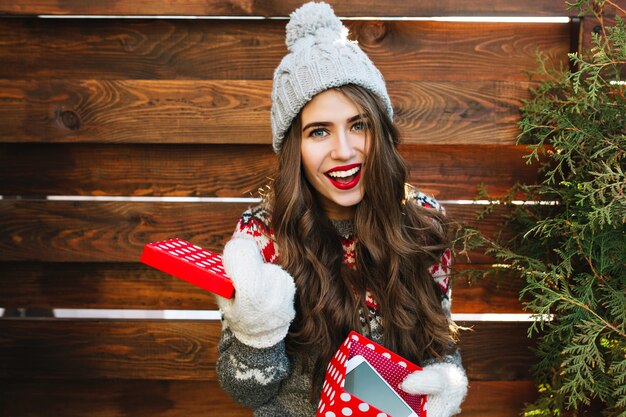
{"x":127,"y":349}
{"x":108,"y":231}
{"x":66,"y":231}
{"x":498,"y":398}
{"x":238,"y":111}
{"x":97,"y":285}
{"x":140,"y":398}
{"x":283,"y":8}
{"x":250,"y":50}
{"x":119,"y":398}
{"x":137,"y":286}
{"x":504,"y":346}
{"x":135,"y":111}
{"x":135,"y":170}
{"x":448,"y":172}
{"x":489,"y":294}
{"x":187,"y":349}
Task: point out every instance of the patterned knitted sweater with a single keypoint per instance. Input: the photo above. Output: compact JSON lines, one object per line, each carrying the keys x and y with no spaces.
{"x":268,"y":380}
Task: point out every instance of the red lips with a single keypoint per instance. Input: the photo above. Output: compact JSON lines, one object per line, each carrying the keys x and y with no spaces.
{"x":344,"y":185}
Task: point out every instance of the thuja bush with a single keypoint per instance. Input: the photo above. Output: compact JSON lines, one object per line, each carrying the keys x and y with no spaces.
{"x":569,"y":246}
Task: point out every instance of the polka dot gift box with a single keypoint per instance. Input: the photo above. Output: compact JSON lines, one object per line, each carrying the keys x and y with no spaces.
{"x":338,"y":392}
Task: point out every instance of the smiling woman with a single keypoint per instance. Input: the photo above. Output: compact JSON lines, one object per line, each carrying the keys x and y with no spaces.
{"x":340,"y":242}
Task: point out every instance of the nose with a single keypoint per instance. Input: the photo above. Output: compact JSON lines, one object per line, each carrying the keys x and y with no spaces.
{"x":343,"y":148}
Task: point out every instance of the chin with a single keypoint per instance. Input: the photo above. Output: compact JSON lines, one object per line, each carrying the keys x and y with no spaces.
{"x":348,"y":201}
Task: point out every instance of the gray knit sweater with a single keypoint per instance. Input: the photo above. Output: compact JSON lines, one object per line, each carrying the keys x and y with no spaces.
{"x":268,"y":380}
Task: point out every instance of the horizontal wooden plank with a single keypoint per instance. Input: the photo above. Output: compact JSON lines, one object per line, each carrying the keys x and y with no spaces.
{"x":187,"y":350}
{"x":91,"y":349}
{"x":250,"y":50}
{"x":136,"y":286}
{"x":487,"y":294}
{"x":283,"y":8}
{"x":490,"y":345}
{"x":449,"y":172}
{"x":118,"y":398}
{"x":135,"y":111}
{"x":60,"y":231}
{"x":96,"y":285}
{"x":135,"y":170}
{"x":121,"y":398}
{"x":498,"y":399}
{"x":237,"y":111}
{"x":100,"y":231}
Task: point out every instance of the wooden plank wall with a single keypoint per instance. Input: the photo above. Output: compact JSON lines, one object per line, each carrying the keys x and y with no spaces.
{"x":94,"y":108}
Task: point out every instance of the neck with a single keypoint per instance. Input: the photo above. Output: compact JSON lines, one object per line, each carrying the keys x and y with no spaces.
{"x":336,"y":212}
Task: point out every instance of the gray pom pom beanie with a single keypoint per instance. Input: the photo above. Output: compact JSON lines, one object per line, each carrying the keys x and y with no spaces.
{"x":320,"y":57}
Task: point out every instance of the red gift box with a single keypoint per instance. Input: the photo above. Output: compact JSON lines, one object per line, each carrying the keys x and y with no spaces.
{"x":335,"y":401}
{"x":190,"y":263}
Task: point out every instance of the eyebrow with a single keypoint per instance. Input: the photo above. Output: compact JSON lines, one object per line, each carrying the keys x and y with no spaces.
{"x":350,"y":120}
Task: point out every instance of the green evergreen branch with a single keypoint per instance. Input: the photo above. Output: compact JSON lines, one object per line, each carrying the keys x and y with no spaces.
{"x":586,"y":308}
{"x":572,"y":255}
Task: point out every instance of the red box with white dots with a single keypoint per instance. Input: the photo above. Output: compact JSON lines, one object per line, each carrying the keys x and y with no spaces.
{"x":378,"y":399}
{"x":190,"y":263}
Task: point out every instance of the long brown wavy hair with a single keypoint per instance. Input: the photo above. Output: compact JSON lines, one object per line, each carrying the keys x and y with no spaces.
{"x":397,"y":243}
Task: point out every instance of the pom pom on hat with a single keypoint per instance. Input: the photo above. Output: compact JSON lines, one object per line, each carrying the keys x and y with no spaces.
{"x":320,"y":57}
{"x":308,"y":20}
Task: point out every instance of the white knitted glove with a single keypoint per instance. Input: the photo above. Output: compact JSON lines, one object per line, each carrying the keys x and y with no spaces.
{"x":444,"y":383}
{"x":263,"y":307}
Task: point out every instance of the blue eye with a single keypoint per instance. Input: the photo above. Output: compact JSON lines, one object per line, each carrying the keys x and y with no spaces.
{"x":318,"y":133}
{"x":359,"y":126}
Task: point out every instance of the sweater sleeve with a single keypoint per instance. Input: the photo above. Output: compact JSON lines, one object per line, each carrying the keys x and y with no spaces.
{"x":252,"y":376}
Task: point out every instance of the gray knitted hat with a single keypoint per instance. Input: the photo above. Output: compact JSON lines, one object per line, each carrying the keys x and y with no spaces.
{"x":320,"y":57}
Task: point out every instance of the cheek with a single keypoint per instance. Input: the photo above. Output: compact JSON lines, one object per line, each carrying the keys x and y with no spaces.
{"x":309,"y":160}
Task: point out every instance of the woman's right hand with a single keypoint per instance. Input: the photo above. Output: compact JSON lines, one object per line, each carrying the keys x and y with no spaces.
{"x":263,"y":307}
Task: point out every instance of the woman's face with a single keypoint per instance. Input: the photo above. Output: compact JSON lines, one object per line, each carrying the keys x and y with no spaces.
{"x":333,"y":147}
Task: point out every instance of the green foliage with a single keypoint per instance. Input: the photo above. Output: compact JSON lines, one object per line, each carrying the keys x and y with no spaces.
{"x":571,"y":250}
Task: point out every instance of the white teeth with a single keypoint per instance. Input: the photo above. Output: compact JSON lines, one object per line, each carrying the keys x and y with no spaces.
{"x":344,"y":174}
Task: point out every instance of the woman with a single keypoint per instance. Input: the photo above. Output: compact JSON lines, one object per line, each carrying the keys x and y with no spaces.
{"x":339,"y":243}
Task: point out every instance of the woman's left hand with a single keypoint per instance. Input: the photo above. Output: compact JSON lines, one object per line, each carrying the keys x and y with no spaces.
{"x":444,"y":383}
